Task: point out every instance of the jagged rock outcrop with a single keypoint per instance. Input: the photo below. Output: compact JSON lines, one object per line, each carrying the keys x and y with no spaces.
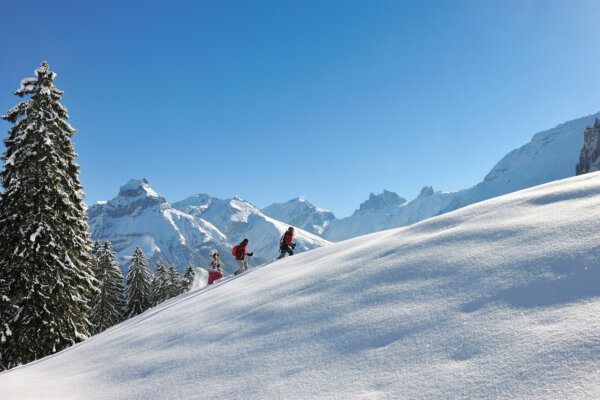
{"x":385,"y":211}
{"x":301,"y":213}
{"x":377,"y":202}
{"x":589,"y":159}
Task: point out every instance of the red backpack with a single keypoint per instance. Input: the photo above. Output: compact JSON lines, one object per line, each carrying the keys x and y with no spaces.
{"x":235,"y":250}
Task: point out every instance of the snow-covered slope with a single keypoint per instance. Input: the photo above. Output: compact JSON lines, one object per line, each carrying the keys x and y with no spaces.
{"x":498,"y":300}
{"x":549,"y":156}
{"x":300,"y":213}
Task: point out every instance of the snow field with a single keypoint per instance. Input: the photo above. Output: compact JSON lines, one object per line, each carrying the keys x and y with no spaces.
{"x":497,"y":300}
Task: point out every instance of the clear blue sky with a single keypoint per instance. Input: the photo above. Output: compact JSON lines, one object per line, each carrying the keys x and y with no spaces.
{"x":329,"y":100}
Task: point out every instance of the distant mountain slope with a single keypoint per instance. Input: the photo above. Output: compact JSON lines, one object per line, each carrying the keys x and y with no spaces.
{"x":238,"y":219}
{"x":549,"y":156}
{"x":138,"y":216}
{"x":382,"y":212}
{"x":498,"y":300}
{"x":300,"y":213}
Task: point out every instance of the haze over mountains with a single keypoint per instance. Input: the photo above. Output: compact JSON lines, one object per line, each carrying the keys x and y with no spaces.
{"x":188,"y":231}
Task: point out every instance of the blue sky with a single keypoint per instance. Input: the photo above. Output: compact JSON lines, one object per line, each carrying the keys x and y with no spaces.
{"x":329,"y":100}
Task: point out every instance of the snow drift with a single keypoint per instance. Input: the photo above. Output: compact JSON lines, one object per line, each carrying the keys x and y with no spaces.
{"x":499,"y":299}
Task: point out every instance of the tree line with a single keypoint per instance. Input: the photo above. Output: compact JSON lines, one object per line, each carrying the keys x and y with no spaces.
{"x":117,"y":301}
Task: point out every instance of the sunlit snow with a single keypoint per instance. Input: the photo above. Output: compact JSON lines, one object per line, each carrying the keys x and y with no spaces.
{"x":496,"y":300}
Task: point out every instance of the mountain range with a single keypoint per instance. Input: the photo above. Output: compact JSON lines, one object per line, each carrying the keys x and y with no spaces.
{"x":549,"y":156}
{"x":188,"y":231}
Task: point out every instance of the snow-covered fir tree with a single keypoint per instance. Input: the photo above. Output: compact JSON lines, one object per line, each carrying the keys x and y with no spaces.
{"x":188,"y":278}
{"x":589,"y":159}
{"x":45,"y":250}
{"x":174,"y":283}
{"x":138,"y":284}
{"x":160,"y":282}
{"x":108,"y":306}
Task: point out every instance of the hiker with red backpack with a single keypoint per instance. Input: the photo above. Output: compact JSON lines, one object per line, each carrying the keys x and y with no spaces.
{"x":240,"y":254}
{"x":285,"y":243}
{"x":214,"y":271}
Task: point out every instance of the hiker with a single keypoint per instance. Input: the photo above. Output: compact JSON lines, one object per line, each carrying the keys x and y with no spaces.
{"x":214,"y":271}
{"x":285,"y":243}
{"x":240,"y":254}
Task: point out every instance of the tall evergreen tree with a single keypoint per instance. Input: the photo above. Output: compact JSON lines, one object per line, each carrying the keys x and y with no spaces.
{"x":138,"y":284}
{"x":188,"y":278}
{"x":159,"y":284}
{"x":108,"y":306}
{"x":45,"y":276}
{"x":174,"y":283}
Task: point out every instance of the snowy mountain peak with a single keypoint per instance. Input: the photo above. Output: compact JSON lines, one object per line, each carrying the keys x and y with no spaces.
{"x":136,"y":188}
{"x":380,"y":201}
{"x":426,"y":192}
{"x":301,"y":213}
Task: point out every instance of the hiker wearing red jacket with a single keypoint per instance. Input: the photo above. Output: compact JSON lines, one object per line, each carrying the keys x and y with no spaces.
{"x":240,"y":254}
{"x":285,"y":244}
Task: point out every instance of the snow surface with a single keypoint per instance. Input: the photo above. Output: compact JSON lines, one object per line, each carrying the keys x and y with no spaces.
{"x":498,"y":300}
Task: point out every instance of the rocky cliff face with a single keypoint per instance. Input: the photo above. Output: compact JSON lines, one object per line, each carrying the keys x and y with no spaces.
{"x":378,"y":202}
{"x":589,"y":159}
